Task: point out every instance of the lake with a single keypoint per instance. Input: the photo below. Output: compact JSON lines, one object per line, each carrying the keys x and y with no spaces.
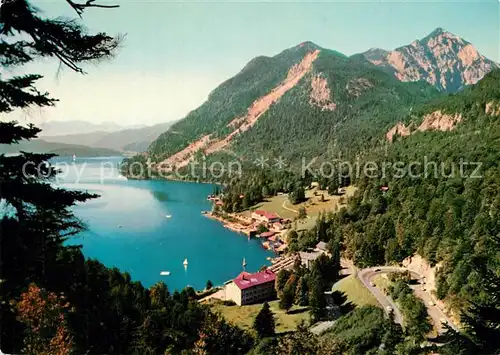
{"x":128,"y":227}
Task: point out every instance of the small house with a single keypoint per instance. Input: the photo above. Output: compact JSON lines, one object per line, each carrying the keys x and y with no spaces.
{"x":267,"y":234}
{"x":306,"y":258}
{"x":264,"y":216}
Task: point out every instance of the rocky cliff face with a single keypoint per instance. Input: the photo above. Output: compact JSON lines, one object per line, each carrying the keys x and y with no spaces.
{"x":443,"y":59}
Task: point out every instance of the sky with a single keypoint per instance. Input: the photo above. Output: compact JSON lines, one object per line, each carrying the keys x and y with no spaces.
{"x":176,"y":52}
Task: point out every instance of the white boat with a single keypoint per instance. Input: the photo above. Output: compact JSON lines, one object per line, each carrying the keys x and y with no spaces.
{"x":244,"y":263}
{"x":185,"y":262}
{"x":74,"y":157}
{"x":165,"y":273}
{"x":168,"y":216}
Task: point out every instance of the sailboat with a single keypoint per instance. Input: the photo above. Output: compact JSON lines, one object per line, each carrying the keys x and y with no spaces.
{"x":185,"y":263}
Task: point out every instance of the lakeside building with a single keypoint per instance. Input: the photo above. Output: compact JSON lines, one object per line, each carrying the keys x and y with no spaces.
{"x":268,"y":234}
{"x":307,"y":258}
{"x":249,"y":288}
{"x":264,"y":216}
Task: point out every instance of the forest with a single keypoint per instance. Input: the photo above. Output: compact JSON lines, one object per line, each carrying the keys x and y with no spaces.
{"x":447,"y":214}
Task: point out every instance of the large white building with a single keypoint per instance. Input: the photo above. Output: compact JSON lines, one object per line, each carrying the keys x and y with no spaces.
{"x":249,"y":288}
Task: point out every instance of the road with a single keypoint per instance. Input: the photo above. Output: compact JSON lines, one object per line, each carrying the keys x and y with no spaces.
{"x":291,"y":209}
{"x":366,"y":276}
{"x":436,"y":314}
{"x":433,"y":309}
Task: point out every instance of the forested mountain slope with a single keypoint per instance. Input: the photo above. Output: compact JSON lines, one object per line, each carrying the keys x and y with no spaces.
{"x":443,"y":204}
{"x":230,"y":100}
{"x":432,"y":191}
{"x":309,"y":102}
{"x":287,"y":104}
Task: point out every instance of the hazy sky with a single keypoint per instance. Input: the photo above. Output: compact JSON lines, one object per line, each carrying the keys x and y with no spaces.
{"x":176,"y":52}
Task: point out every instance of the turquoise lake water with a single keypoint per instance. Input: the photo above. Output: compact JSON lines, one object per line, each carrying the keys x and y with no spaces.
{"x":128,"y":227}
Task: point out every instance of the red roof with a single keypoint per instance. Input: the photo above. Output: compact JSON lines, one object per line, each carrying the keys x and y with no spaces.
{"x":246,"y":280}
{"x":268,"y":215}
{"x":266,"y":234}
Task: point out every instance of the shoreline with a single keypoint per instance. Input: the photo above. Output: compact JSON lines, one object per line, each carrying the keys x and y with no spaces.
{"x":155,"y":178}
{"x":244,"y":226}
{"x":234,"y":226}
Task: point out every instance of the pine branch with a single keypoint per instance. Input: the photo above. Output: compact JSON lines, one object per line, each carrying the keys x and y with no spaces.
{"x":20,"y":92}
{"x":11,"y":132}
{"x":80,"y":8}
{"x":15,"y":53}
{"x":66,"y":40}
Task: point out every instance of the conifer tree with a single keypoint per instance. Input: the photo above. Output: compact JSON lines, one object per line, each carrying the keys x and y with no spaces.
{"x":37,"y":218}
{"x":264,"y":322}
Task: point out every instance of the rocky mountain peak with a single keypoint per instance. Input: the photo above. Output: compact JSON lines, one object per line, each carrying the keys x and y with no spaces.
{"x":441,"y":58}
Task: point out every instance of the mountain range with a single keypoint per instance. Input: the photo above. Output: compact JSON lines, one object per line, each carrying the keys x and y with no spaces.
{"x":58,"y":128}
{"x":62,"y":149}
{"x":315,"y":102}
{"x":107,"y":136}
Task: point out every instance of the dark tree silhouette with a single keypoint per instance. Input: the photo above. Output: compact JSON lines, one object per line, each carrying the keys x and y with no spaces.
{"x":39,"y":218}
{"x":264,"y":322}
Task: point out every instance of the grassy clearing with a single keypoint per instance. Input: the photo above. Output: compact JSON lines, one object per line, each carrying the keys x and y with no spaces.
{"x":382,"y":282}
{"x":275,"y":204}
{"x":355,"y":291}
{"x":314,"y":206}
{"x":244,"y":316}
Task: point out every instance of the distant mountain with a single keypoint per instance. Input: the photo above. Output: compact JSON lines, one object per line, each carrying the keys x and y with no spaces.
{"x":57,"y":128}
{"x":132,"y":139}
{"x":312,"y":102}
{"x":41,"y":146}
{"x":306,"y":101}
{"x":443,"y":59}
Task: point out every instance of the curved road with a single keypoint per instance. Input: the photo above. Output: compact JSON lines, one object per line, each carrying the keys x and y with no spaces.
{"x":366,"y":275}
{"x":437,"y":315}
{"x":292,"y":210}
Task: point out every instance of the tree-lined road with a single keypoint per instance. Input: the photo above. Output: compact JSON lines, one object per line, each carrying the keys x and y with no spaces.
{"x":437,"y":315}
{"x":366,"y":275}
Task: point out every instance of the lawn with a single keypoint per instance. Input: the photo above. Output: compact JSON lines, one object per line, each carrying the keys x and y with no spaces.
{"x":244,"y":316}
{"x":275,"y":204}
{"x":382,"y":282}
{"x":314,"y":206}
{"x":355,"y":291}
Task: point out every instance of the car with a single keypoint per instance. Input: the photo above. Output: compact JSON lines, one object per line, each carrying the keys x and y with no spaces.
{"x":443,"y":321}
{"x":377,"y":269}
{"x":431,"y":303}
{"x":372,"y":284}
{"x":388,"y":308}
